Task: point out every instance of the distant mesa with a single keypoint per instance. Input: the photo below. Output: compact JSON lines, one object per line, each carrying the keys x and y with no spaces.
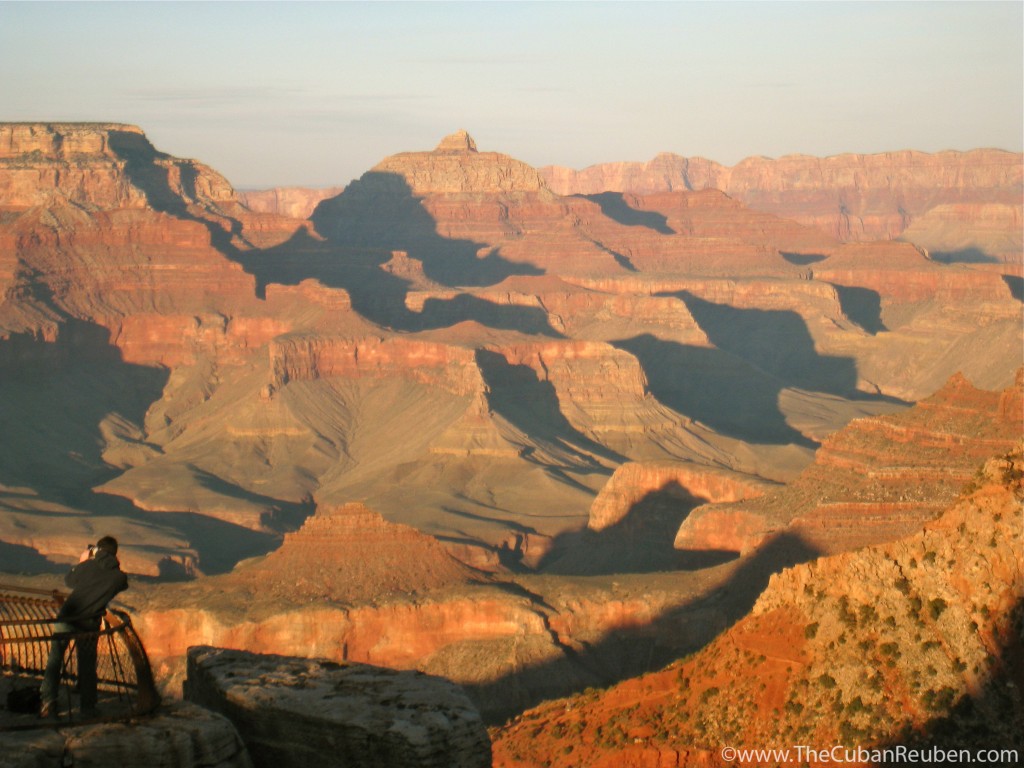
{"x":965,"y":205}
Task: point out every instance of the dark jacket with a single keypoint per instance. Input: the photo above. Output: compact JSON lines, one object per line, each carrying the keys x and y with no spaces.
{"x":93,"y":582}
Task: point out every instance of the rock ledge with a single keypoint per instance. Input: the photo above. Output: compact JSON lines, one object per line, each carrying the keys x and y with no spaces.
{"x":301,"y":712}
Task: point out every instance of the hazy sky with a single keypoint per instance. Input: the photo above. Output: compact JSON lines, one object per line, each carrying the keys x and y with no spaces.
{"x":317,"y":93}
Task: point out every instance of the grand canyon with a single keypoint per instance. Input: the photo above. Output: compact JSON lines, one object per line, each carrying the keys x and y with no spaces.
{"x":649,"y":458}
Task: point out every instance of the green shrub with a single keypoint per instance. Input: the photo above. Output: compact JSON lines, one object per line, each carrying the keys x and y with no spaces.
{"x":936,"y":607}
{"x":868,"y":614}
{"x":708,"y":693}
{"x":890,"y":649}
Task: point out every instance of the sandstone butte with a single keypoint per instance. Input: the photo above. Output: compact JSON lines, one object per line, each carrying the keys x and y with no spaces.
{"x":914,"y":643}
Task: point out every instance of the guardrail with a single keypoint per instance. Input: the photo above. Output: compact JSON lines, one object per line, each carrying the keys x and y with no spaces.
{"x":125,"y":687}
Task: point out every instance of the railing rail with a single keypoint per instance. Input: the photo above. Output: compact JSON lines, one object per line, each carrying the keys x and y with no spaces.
{"x":125,"y":685}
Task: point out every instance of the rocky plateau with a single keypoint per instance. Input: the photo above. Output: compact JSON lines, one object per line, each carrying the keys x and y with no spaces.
{"x":531,"y":430}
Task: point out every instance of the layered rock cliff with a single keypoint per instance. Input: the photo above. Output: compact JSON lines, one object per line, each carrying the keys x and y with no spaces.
{"x":632,"y":482}
{"x":877,"y":479}
{"x":851,"y":197}
{"x":209,"y":360}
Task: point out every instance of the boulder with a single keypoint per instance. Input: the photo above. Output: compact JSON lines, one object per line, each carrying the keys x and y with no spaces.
{"x":302,"y":712}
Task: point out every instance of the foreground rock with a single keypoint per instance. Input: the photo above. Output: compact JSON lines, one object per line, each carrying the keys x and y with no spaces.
{"x":301,"y":712}
{"x":179,"y":736}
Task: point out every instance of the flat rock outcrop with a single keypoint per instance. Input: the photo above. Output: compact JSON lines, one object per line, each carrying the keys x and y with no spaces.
{"x":180,"y":734}
{"x":302,"y":712}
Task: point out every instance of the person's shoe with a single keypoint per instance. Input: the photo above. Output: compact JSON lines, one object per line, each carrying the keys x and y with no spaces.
{"x":48,"y":709}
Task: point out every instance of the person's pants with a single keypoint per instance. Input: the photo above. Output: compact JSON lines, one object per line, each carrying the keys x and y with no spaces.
{"x":85,"y":648}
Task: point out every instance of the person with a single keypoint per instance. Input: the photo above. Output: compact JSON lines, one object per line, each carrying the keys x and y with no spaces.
{"x":94,"y":582}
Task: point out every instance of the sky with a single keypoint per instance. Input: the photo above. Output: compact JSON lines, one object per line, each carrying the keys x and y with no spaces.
{"x":315,"y":94}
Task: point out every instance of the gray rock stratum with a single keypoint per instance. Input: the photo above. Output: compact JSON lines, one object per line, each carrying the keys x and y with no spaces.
{"x":181,"y":735}
{"x":303,"y":712}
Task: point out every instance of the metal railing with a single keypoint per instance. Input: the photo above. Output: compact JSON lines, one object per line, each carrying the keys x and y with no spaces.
{"x":124,"y":679}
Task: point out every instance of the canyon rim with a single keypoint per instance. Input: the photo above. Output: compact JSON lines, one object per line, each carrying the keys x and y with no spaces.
{"x":537,"y":430}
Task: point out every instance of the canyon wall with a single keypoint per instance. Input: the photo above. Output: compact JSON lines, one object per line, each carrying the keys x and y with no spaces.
{"x":877,"y":479}
{"x":448,"y":329}
{"x":851,"y":197}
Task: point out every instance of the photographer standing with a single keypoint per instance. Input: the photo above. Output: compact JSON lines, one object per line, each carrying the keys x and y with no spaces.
{"x":94,"y":582}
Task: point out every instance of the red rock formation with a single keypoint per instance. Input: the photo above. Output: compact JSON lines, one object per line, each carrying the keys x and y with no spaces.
{"x":901,"y":273}
{"x":456,"y":167}
{"x":401,"y":635}
{"x":866,"y":648}
{"x":851,"y":197}
{"x":451,"y":368}
{"x":85,"y":164}
{"x":289,"y":357}
{"x":351,"y":553}
{"x":632,"y":481}
{"x":293,"y":202}
{"x":878,"y":478}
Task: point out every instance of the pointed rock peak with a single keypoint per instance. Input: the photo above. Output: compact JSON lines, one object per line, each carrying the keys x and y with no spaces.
{"x":460,"y":141}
